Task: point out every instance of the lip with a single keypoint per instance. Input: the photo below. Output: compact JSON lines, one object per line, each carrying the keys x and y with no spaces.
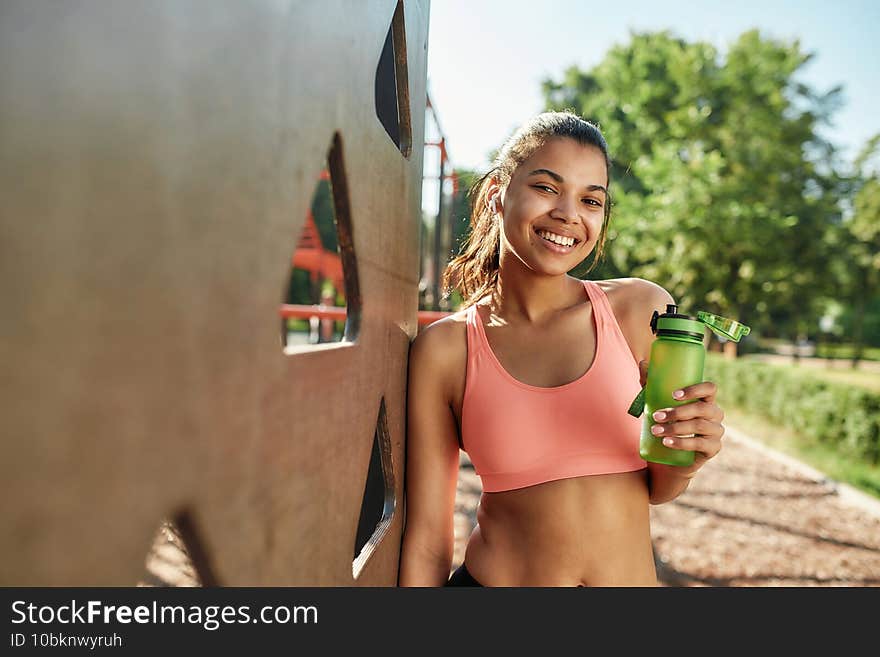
{"x":556,"y":248}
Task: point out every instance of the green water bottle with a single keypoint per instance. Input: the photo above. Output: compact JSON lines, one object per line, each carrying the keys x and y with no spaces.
{"x":677,"y":359}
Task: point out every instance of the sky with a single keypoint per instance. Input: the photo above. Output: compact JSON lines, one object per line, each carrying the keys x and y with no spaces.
{"x":486,"y":58}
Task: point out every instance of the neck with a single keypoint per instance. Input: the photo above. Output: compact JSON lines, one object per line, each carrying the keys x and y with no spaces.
{"x":523,"y":296}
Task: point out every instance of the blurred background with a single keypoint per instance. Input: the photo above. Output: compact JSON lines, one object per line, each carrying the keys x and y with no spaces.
{"x":746,"y":181}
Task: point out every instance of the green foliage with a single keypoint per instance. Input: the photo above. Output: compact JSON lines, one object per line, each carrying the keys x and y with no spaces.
{"x":720,"y":193}
{"x":846,"y":351}
{"x":298,"y":325}
{"x":461,"y":210}
{"x":723,"y":190}
{"x":299,"y":290}
{"x":859,"y":242}
{"x":843,"y":416}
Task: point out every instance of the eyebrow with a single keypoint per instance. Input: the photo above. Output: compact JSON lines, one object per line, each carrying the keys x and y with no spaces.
{"x":560,"y":179}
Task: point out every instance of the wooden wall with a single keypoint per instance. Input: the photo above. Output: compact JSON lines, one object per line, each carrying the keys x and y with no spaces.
{"x":157,"y":163}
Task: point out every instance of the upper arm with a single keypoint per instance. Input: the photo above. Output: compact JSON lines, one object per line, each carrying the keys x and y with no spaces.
{"x":432,"y":452}
{"x":642,"y":299}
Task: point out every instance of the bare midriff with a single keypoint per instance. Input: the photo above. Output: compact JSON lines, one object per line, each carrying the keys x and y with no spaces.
{"x":583,"y":531}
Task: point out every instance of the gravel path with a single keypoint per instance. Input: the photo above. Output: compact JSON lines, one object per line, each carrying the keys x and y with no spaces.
{"x":751,"y":517}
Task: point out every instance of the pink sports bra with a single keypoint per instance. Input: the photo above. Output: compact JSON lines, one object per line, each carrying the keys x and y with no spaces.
{"x":519,"y":435}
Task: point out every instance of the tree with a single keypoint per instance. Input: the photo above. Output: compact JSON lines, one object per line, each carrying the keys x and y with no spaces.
{"x":460,"y":213}
{"x":722,"y":189}
{"x":862,"y":244}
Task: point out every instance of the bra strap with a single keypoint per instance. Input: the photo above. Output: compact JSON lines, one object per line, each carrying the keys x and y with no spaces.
{"x":475,"y":336}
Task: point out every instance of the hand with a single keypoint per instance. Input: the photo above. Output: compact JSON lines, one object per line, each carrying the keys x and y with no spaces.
{"x":702,"y":418}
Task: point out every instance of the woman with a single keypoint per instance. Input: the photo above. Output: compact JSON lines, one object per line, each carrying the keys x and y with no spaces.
{"x":533,"y":378}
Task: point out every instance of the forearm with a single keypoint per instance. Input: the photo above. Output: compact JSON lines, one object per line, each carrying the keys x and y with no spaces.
{"x":666,"y":482}
{"x":420,"y":566}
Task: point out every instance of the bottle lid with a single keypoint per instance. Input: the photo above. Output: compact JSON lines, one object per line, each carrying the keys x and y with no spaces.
{"x":724,"y":327}
{"x":671,"y":323}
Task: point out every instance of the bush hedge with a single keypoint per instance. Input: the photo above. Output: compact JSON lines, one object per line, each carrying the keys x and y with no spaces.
{"x":844,"y":416}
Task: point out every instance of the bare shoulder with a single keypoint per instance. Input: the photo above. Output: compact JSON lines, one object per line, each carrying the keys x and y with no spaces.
{"x":630,"y":294}
{"x":440,"y":349}
{"x":634,"y":301}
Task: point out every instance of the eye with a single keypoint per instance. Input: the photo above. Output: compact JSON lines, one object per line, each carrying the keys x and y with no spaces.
{"x":593,"y":201}
{"x":544,"y":187}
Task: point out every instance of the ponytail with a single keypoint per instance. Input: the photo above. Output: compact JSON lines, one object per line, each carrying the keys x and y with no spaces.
{"x":474,"y":272}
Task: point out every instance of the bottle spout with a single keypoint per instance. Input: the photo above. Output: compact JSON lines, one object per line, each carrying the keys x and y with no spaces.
{"x":729,"y":329}
{"x":671,"y":311}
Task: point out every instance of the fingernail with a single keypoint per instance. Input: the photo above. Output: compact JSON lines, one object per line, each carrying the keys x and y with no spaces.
{"x":678,"y":394}
{"x":657,"y":429}
{"x":659,"y":416}
{"x":668,"y":442}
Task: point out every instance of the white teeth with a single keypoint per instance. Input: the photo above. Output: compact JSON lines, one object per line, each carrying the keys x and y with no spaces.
{"x":557,"y":239}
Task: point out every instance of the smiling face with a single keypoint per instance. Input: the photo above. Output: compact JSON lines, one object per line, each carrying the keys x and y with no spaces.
{"x":554,"y":206}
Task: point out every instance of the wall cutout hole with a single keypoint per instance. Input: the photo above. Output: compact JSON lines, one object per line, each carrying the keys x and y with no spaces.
{"x":392,"y":85}
{"x":321,"y":304}
{"x":378,"y":504}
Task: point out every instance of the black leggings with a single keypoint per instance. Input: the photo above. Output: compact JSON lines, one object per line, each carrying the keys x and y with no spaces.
{"x":461,"y":577}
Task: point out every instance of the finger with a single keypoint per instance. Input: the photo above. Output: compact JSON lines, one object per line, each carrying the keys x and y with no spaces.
{"x":643,"y":372}
{"x":690,"y":411}
{"x":698,"y":426}
{"x":705,"y":390}
{"x":708,"y":446}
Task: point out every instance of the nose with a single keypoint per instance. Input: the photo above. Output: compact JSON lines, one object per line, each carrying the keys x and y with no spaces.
{"x":566,"y":208}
